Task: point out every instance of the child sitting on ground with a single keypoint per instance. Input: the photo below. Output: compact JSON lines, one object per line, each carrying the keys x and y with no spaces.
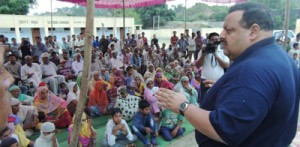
{"x":143,"y":124}
{"x":47,"y":137}
{"x":117,"y":131}
{"x":170,"y":125}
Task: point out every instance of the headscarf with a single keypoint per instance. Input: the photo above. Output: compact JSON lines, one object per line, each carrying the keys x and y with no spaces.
{"x":150,"y":66}
{"x":191,"y":98}
{"x":8,"y":142}
{"x":118,"y":75}
{"x":98,"y":96}
{"x":154,"y":89}
{"x":193,"y":81}
{"x":141,"y":87}
{"x":42,"y":84}
{"x":164,"y":83}
{"x":45,"y":54}
{"x":92,"y":82}
{"x":179,"y":85}
{"x":14,"y":87}
{"x":121,"y":89}
{"x":46,"y":141}
{"x":51,"y":103}
{"x":149,"y":74}
{"x":137,"y":75}
{"x":85,"y":131}
{"x":14,"y":102}
{"x":71,"y":95}
{"x":161,"y":71}
{"x":148,"y":81}
{"x":168,"y":75}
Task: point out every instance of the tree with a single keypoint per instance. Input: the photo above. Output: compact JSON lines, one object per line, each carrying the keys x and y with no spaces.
{"x":17,"y":7}
{"x":147,"y":14}
{"x":81,"y":11}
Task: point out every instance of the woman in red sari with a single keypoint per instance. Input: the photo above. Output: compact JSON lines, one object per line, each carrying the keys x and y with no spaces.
{"x":159,"y":82}
{"x":98,"y":100}
{"x":53,"y":107}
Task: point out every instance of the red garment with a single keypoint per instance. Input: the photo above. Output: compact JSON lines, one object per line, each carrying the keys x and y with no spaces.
{"x":63,"y":121}
{"x":42,"y":84}
{"x":164,"y":84}
{"x":174,"y":40}
{"x":98,"y":96}
{"x":145,"y":40}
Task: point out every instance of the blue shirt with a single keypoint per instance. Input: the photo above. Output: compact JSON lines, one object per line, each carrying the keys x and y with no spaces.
{"x":141,"y":121}
{"x":256,"y":102}
{"x":96,"y":44}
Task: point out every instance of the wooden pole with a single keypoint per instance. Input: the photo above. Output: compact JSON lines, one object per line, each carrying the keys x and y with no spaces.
{"x":51,"y":19}
{"x":85,"y":74}
{"x":286,"y":22}
{"x":124,"y":30}
{"x":185,"y":15}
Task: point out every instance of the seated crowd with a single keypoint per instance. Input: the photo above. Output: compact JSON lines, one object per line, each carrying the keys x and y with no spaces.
{"x":123,"y":82}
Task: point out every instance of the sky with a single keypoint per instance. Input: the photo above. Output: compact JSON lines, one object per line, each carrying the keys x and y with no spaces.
{"x":44,"y":5}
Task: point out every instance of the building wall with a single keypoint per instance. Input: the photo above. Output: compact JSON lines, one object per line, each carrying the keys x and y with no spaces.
{"x":8,"y":33}
{"x":26,"y":23}
{"x":297,"y":29}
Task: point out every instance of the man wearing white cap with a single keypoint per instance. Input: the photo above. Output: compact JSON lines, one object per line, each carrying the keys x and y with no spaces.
{"x":31,"y":72}
{"x":28,"y":115}
{"x":77,"y":65}
{"x":49,"y":74}
{"x":47,"y":137}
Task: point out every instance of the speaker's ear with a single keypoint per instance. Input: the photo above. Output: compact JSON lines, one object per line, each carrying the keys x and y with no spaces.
{"x":254,"y":31}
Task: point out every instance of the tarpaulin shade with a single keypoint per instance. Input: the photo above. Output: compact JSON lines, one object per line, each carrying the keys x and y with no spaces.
{"x":224,"y":1}
{"x":118,"y":4}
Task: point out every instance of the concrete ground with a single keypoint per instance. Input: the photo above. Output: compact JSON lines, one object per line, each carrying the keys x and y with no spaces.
{"x":186,"y":141}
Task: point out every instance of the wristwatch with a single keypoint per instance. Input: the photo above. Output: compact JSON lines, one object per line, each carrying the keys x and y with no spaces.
{"x":182,"y":107}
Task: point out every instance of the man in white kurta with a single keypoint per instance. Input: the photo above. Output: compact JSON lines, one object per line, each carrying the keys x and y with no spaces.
{"x":49,"y":74}
{"x":31,"y":72}
{"x":116,"y":62}
{"x":77,"y":65}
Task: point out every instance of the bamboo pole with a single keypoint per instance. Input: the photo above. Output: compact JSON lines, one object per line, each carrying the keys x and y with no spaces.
{"x":84,"y":81}
{"x":286,"y":22}
{"x":124,"y":30}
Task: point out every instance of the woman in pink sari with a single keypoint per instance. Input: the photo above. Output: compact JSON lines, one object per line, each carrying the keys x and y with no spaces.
{"x":150,"y":90}
{"x":54,"y":108}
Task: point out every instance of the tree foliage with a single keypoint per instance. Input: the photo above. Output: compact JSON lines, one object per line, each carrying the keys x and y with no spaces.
{"x":17,"y":7}
{"x":197,"y":12}
{"x":81,"y":11}
{"x":147,"y":14}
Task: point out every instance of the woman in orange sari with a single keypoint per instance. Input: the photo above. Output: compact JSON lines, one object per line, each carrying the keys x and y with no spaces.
{"x":98,"y":100}
{"x":53,"y":107}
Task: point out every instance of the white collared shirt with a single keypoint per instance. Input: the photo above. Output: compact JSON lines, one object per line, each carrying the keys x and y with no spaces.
{"x":49,"y":69}
{"x":211,"y":69}
{"x":35,"y":68}
{"x":77,"y":66}
{"x":111,"y":138}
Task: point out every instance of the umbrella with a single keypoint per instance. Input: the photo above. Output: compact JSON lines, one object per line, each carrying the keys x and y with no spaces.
{"x":224,"y":1}
{"x":118,"y":4}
